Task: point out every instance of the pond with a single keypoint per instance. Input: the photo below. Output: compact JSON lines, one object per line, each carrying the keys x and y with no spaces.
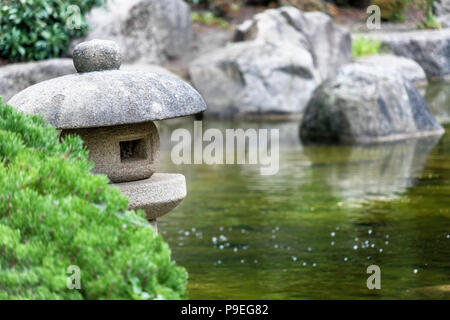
{"x":311,"y":231}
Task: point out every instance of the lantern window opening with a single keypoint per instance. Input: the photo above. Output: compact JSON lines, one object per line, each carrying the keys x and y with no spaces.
{"x":132,"y":150}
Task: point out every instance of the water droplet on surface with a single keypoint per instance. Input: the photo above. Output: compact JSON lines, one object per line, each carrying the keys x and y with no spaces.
{"x":235,"y":249}
{"x":355,"y":247}
{"x":370,"y":231}
{"x":275,"y":246}
{"x":294,"y":258}
{"x":309,"y":249}
{"x":314,"y":265}
{"x":345,"y":259}
{"x":304,"y":264}
{"x":214,"y":240}
{"x":333,"y":234}
{"x":242,"y":260}
{"x":386,"y":242}
{"x":356,"y":239}
{"x":219,"y":261}
{"x":415,"y":271}
{"x":332,"y":243}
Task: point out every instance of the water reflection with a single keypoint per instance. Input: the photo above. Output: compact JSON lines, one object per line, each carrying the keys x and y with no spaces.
{"x":287,"y":236}
{"x":438,"y":98}
{"x":377,"y":172}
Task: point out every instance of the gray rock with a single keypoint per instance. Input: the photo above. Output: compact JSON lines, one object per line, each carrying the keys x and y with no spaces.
{"x":147,"y":68}
{"x":149,"y":31}
{"x":97,"y":55}
{"x":429,"y":48}
{"x":408,"y":68}
{"x":441,"y":7}
{"x":255,"y":78}
{"x":106,"y":98}
{"x":367,"y":104}
{"x":17,"y":76}
{"x":444,"y":20}
{"x":328,"y":43}
{"x":279,"y":58}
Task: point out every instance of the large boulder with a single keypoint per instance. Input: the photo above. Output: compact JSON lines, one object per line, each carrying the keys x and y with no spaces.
{"x":255,"y":78}
{"x":150,"y":31}
{"x":18,"y":76}
{"x":408,"y":68}
{"x":328,"y":43}
{"x":366,"y":104}
{"x":429,"y":48}
{"x":278,"y":59}
{"x":441,"y":7}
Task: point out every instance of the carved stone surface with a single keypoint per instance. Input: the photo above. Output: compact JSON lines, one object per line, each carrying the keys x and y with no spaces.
{"x":123,"y":153}
{"x":157,"y":195}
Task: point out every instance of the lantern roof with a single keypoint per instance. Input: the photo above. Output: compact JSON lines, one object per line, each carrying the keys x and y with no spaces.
{"x":101,"y":95}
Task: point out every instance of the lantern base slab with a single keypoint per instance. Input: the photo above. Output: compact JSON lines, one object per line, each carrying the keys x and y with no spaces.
{"x":157,"y":195}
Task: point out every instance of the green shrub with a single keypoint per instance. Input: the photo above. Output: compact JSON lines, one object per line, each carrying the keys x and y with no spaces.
{"x":429,"y":22}
{"x":54,"y":213}
{"x":41,"y":29}
{"x":392,"y":10}
{"x":363,"y":47}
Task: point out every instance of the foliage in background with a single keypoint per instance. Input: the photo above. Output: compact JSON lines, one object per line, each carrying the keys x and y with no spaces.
{"x":392,"y":10}
{"x":312,"y":5}
{"x":363,"y":47}
{"x":209,"y":18}
{"x":353,"y":3}
{"x":219,"y":8}
{"x":41,"y":29}
{"x":429,"y":21}
{"x":54,"y":213}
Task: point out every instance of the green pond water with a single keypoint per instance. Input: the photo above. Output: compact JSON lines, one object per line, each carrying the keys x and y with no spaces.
{"x":311,"y":230}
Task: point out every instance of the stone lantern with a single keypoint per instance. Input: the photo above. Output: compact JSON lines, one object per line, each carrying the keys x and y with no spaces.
{"x":113,"y":112}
